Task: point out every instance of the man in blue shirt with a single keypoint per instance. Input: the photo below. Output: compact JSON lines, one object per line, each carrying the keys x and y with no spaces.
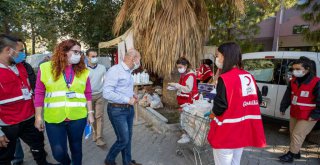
{"x":118,"y":90}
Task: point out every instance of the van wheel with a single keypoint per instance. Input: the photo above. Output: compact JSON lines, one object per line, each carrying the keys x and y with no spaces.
{"x":314,"y":136}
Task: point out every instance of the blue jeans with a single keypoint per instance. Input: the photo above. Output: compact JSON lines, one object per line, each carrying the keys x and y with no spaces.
{"x":122,"y":122}
{"x":59,"y":133}
{"x":18,"y":155}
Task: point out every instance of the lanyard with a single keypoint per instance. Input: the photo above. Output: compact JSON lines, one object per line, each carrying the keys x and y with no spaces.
{"x":94,"y":67}
{"x":68,"y":82}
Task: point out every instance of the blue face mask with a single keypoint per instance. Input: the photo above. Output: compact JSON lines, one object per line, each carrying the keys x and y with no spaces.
{"x":21,"y":57}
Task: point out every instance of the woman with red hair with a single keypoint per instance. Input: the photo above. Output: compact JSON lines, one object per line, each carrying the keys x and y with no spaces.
{"x":63,"y":101}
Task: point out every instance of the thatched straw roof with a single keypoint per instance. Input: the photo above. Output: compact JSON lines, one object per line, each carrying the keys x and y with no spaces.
{"x":165,"y":30}
{"x":113,"y":42}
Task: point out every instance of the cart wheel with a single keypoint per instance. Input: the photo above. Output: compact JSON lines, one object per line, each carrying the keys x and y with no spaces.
{"x":179,"y":153}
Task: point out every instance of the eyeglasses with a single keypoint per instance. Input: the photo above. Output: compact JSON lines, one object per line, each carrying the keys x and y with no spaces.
{"x":77,"y":52}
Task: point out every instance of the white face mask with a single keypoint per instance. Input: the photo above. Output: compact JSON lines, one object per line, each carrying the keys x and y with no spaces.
{"x":94,"y":60}
{"x":182,"y":70}
{"x":136,"y":66}
{"x":298,"y":73}
{"x":74,"y":59}
{"x":218,"y":64}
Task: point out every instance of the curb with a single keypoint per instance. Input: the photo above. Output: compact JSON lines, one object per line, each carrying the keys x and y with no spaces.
{"x":158,"y":121}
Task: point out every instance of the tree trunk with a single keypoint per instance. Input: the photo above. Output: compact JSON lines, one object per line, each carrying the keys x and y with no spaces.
{"x":6,"y":27}
{"x":169,"y":97}
{"x":33,"y":38}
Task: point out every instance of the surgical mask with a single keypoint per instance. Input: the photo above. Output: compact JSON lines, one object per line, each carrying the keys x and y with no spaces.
{"x":136,"y":65}
{"x":218,"y":64}
{"x":21,"y":57}
{"x":182,"y":70}
{"x":298,"y":73}
{"x":74,"y":59}
{"x":94,"y":60}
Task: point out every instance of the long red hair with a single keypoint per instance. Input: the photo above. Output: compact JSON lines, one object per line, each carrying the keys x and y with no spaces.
{"x":60,"y":59}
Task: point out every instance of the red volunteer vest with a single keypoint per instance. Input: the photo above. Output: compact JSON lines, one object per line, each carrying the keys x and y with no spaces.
{"x":13,"y":108}
{"x":302,"y":99}
{"x":187,"y":97}
{"x":205,"y":72}
{"x":241,"y":124}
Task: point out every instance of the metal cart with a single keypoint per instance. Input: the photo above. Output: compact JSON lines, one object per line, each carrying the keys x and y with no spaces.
{"x":197,"y":128}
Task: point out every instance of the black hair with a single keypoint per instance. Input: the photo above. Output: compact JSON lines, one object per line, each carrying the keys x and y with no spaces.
{"x":7,"y":40}
{"x":90,"y":50}
{"x":207,"y":61}
{"x":306,"y":64}
{"x":184,"y":61}
{"x":232,"y":56}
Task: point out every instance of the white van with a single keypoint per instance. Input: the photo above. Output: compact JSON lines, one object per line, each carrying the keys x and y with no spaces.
{"x":272,"y":71}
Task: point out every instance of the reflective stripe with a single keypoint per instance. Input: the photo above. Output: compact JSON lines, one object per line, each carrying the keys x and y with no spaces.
{"x":237,"y":120}
{"x":303,"y":104}
{"x":196,"y":95}
{"x":63,"y":93}
{"x":64,"y":104}
{"x":206,"y":71}
{"x":11,"y":100}
{"x":183,"y":95}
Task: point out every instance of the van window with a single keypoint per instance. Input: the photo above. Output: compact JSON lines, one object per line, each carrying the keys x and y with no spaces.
{"x":286,"y":71}
{"x":264,"y":70}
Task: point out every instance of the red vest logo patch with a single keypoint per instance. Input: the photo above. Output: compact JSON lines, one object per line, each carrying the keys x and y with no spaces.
{"x":247,"y":85}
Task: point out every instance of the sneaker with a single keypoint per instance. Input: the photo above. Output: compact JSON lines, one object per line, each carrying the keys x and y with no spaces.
{"x":183,"y":135}
{"x":100,"y":142}
{"x":289,"y":157}
{"x":183,"y":140}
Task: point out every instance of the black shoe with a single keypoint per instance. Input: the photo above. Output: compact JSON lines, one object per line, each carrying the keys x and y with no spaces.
{"x":288,"y":157}
{"x":297,"y":156}
{"x":133,"y":162}
{"x":106,"y":163}
{"x":18,"y":163}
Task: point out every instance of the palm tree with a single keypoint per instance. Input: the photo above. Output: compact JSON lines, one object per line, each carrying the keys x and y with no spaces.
{"x":165,"y":30}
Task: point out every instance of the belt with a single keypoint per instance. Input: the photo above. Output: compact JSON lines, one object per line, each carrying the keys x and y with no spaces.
{"x":119,"y":105}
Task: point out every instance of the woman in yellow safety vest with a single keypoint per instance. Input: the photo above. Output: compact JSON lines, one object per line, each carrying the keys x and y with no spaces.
{"x":63,"y":101}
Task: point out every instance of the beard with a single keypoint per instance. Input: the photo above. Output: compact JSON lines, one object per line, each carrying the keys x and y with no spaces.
{"x":11,"y":61}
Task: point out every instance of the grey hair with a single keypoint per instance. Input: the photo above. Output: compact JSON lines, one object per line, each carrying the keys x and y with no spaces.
{"x":132,"y":52}
{"x":6,"y":40}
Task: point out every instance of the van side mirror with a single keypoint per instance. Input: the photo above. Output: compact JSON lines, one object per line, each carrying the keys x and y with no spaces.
{"x":264,"y":91}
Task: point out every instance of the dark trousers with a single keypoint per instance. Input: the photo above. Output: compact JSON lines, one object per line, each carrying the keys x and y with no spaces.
{"x":59,"y":135}
{"x":30,"y":135}
{"x":18,"y":155}
{"x":122,"y":122}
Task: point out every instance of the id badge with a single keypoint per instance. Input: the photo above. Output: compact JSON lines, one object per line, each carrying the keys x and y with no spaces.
{"x":294,"y":100}
{"x":71,"y":95}
{"x":26,"y":94}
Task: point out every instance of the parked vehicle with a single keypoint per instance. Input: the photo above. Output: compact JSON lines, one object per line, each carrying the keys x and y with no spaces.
{"x":273,"y":71}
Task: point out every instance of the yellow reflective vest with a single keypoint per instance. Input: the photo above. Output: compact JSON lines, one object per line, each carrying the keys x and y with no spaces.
{"x":57,"y":106}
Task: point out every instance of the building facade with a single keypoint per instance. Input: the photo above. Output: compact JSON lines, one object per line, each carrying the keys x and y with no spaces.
{"x":283,"y":32}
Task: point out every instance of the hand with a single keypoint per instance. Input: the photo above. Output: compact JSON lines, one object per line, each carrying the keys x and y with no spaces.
{"x":171,"y":84}
{"x":38,"y":123}
{"x":132,"y":101}
{"x":4,"y":141}
{"x":176,"y":85}
{"x":311,"y":119}
{"x":90,"y":118}
{"x":136,"y":97}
